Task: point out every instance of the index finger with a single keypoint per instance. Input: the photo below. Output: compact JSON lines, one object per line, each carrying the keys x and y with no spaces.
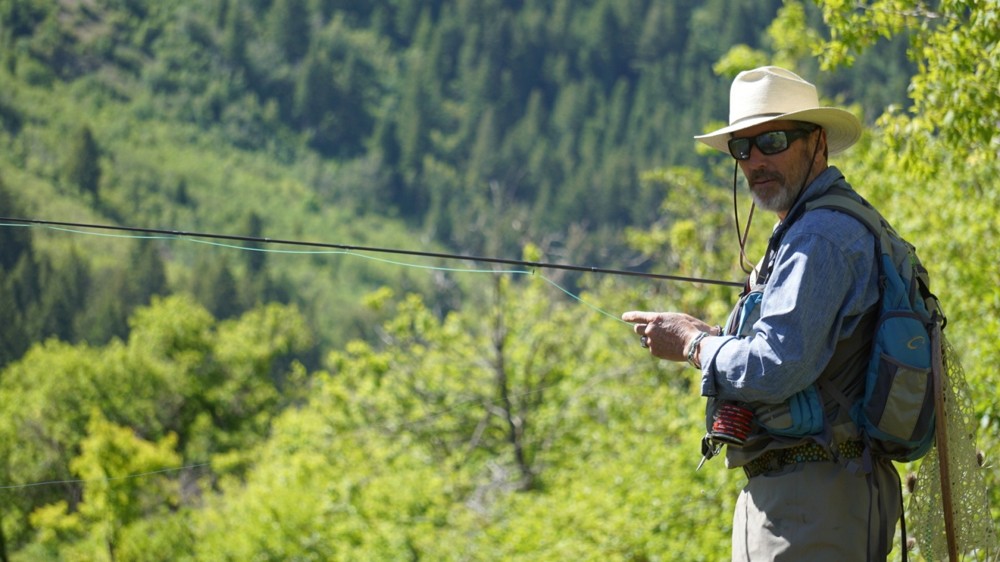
{"x":638,"y":316}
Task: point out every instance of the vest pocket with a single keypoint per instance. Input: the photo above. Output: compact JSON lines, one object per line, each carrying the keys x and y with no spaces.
{"x":800,"y":415}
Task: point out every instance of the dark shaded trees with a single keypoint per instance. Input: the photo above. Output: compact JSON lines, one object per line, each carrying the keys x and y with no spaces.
{"x":83,"y":167}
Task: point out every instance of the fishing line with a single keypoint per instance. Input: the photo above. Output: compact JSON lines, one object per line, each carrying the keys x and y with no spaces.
{"x":187,"y":238}
{"x":374,"y":249}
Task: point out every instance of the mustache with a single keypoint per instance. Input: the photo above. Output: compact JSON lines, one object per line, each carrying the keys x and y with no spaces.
{"x":764,"y":175}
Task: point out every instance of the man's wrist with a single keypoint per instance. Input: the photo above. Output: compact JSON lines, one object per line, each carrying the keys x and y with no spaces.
{"x":692,"y":350}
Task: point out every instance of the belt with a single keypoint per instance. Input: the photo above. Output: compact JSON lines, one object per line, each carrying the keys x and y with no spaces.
{"x":775,"y":459}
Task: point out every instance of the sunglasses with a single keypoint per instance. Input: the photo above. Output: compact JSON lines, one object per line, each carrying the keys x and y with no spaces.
{"x":771,"y":142}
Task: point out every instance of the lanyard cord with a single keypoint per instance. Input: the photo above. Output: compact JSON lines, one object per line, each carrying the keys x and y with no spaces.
{"x":745,"y":264}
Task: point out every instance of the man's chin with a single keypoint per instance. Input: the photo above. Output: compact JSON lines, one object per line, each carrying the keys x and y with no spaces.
{"x":771,"y":204}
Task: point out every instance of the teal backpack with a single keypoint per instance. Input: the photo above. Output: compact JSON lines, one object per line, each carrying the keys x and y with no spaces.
{"x":896,"y":412}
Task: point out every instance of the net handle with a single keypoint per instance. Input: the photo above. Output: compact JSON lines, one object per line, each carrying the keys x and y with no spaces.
{"x":941,"y":436}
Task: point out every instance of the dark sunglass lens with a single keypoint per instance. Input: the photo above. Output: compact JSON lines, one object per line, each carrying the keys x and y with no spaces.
{"x":739,"y":148}
{"x":772,"y":142}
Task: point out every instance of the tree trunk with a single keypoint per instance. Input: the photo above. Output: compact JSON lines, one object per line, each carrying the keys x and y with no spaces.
{"x":515,"y":424}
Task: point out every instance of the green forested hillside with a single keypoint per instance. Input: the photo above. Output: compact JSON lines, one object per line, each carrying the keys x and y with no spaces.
{"x":475,"y":126}
{"x":170,"y":398}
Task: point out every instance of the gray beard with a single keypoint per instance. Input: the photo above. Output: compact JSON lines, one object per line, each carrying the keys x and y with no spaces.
{"x":776,"y":203}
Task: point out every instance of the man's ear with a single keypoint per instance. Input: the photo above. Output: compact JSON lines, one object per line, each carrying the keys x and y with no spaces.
{"x":825,"y":147}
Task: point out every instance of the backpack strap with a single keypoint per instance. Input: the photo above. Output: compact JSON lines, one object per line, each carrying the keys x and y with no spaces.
{"x":851,"y":354}
{"x":841,"y":198}
{"x":848,"y":201}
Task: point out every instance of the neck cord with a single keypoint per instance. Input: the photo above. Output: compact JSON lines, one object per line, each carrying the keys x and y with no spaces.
{"x":745,"y":264}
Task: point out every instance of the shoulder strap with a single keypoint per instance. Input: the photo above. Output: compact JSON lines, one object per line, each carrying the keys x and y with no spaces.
{"x":841,"y":198}
{"x":845,"y":200}
{"x":842,"y":381}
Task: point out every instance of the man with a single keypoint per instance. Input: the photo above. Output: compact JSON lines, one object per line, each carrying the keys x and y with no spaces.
{"x":818,"y":497}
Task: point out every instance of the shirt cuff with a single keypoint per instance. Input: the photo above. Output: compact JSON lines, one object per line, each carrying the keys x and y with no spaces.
{"x":709,"y":349}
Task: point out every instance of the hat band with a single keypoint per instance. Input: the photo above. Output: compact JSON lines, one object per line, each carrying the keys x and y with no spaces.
{"x":756,"y":116}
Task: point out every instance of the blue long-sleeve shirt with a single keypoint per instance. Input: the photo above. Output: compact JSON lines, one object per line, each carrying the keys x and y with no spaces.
{"x":824,"y":278}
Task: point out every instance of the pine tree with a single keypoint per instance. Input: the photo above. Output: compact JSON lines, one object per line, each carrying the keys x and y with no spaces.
{"x":83,"y":168}
{"x":234,"y":35}
{"x":483,"y":159}
{"x":14,"y":339}
{"x":216,"y":289}
{"x":256,"y":258}
{"x":289,"y":25}
{"x":312,"y":91}
{"x":15,"y":241}
{"x":147,"y":274}
{"x":64,"y":294}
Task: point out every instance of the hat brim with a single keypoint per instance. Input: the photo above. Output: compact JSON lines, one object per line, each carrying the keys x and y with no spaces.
{"x":842,"y":128}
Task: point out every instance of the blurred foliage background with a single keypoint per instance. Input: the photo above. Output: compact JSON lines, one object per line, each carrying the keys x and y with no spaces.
{"x":163,"y":398}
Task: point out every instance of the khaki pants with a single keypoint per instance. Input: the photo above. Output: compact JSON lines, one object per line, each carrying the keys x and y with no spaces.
{"x":817,"y":512}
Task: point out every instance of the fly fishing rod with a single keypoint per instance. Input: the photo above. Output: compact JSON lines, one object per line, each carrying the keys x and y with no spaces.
{"x":355,"y":248}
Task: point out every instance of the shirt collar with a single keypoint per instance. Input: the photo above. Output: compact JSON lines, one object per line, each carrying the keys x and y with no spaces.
{"x":817,"y":187}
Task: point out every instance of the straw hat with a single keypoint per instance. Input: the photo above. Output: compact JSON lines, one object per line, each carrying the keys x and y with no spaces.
{"x":770,"y":93}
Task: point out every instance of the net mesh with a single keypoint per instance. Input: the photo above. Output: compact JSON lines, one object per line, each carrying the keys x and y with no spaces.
{"x":974,"y":529}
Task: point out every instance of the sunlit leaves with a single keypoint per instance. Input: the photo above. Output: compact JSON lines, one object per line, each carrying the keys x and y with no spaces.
{"x":955,"y":93}
{"x":110,"y":461}
{"x":407,"y":449}
{"x":180,"y":390}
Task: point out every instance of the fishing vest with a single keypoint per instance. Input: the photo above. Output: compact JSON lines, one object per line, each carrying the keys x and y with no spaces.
{"x":822,"y":412}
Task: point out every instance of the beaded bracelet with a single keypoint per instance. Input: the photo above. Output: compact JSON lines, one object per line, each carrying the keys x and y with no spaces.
{"x":694,"y":347}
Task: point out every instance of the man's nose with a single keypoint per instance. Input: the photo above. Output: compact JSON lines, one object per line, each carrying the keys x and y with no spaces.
{"x":756,"y":161}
